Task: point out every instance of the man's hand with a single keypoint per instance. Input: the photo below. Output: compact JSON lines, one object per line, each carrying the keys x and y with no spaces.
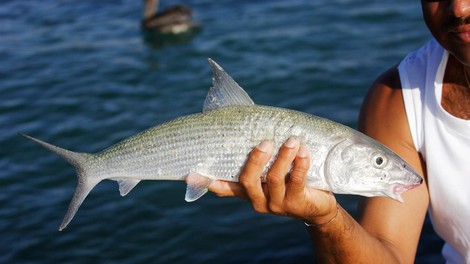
{"x":285,"y":191}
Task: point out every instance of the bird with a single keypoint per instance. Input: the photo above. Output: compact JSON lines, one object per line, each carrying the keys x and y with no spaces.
{"x":174,"y":20}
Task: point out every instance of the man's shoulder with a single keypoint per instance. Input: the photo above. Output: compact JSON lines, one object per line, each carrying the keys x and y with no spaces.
{"x":382,"y":113}
{"x":385,"y":88}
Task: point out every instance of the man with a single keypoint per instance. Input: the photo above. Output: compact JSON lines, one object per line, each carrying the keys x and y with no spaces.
{"x":421,"y":110}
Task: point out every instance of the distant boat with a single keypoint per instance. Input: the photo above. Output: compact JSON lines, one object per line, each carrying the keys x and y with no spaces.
{"x":174,"y":20}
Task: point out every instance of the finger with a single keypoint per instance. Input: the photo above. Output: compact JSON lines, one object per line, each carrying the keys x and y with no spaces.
{"x":276,"y":178}
{"x":250,"y":177}
{"x":297,"y":180}
{"x":225,"y":188}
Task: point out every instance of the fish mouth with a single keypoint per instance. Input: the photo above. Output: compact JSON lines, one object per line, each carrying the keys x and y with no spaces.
{"x":401,"y":188}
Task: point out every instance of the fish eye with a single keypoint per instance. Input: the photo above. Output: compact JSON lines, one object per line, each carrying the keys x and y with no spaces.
{"x":379,"y":160}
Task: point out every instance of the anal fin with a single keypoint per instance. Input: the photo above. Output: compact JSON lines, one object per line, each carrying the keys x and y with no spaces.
{"x":197,"y":186}
{"x":126,"y":185}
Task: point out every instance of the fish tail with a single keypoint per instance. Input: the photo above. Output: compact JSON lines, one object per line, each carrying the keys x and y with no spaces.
{"x":85,"y":182}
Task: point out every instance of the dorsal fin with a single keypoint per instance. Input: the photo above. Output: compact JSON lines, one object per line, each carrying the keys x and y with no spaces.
{"x":224,"y":91}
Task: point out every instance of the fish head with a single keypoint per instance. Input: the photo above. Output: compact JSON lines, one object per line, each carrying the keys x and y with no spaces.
{"x":363,"y":166}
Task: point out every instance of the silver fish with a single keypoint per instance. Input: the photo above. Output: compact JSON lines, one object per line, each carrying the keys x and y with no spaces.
{"x":215,"y":144}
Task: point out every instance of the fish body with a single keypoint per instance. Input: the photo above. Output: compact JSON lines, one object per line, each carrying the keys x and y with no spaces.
{"x":215,"y":144}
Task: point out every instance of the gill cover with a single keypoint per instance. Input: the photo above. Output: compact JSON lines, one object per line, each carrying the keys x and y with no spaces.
{"x":354,"y":167}
{"x":336,"y":163}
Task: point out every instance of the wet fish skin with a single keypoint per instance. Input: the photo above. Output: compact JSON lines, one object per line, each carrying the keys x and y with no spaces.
{"x":215,"y":144}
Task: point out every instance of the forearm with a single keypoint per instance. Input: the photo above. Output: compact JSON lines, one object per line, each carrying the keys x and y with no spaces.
{"x":345,"y":241}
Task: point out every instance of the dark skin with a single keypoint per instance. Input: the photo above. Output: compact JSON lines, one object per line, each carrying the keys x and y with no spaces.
{"x":449,"y":21}
{"x":388,"y":231}
{"x":456,"y":95}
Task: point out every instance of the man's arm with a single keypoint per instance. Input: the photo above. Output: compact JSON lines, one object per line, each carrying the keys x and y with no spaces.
{"x":383,"y":117}
{"x":387,"y":231}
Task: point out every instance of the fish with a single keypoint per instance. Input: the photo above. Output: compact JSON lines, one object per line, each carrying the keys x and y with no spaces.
{"x":215,"y":144}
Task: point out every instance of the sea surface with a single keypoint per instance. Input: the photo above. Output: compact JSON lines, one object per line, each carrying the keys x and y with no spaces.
{"x":82,"y":75}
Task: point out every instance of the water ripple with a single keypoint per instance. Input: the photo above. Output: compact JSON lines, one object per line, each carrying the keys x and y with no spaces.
{"x":81,"y":75}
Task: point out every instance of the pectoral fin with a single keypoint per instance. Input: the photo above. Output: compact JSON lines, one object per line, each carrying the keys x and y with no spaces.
{"x":197,"y":186}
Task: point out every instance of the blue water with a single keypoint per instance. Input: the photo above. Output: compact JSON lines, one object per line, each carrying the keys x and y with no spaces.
{"x":81,"y":74}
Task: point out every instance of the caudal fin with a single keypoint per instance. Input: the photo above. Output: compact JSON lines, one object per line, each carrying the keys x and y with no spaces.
{"x":85,"y":183}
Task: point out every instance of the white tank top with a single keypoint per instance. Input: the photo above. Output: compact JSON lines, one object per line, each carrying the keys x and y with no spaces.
{"x":444,"y":142}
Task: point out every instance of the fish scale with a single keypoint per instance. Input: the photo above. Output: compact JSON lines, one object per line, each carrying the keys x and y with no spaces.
{"x":207,"y":138}
{"x":215,"y":144}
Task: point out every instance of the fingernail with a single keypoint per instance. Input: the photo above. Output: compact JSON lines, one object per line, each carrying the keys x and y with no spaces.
{"x":303,"y":152}
{"x":265,"y":146}
{"x":291,"y":143}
